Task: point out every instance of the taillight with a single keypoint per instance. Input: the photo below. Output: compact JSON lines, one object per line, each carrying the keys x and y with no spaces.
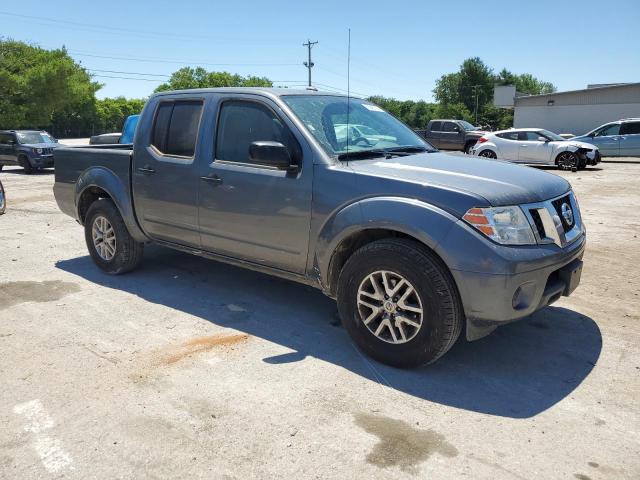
{"x":482,"y":139}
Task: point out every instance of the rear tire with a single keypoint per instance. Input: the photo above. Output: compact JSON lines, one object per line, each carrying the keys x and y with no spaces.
{"x":468,"y":146}
{"x":110,"y":245}
{"x":24,"y":163}
{"x":425,"y":336}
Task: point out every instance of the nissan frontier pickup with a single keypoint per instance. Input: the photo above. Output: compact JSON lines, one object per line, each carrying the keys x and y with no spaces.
{"x":415,"y":245}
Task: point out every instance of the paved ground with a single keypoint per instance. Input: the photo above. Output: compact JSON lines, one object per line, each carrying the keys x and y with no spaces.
{"x":188,"y":368}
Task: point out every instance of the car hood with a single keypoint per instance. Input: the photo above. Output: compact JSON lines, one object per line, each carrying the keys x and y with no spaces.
{"x":40,"y":145}
{"x":499,"y":183}
{"x":579,"y":143}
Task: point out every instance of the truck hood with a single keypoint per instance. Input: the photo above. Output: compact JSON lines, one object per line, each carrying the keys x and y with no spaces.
{"x":499,"y":183}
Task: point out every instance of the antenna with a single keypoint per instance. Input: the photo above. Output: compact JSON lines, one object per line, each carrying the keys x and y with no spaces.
{"x":348,"y":86}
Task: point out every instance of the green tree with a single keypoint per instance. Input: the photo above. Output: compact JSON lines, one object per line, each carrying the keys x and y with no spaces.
{"x":36,"y":83}
{"x":187,"y":78}
{"x":524,"y":83}
{"x":472,"y":86}
{"x":415,"y":114}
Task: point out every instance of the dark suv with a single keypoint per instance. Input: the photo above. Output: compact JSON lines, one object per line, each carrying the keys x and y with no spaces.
{"x":31,"y":149}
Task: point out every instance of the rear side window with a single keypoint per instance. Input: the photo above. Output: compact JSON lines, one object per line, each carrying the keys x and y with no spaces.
{"x":175,"y":129}
{"x":242,"y":123}
{"x":436,"y":126}
{"x":508,"y":135}
{"x":631,"y":128}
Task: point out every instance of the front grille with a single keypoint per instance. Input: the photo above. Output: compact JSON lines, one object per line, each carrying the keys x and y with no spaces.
{"x":557,"y":205}
{"x":535,"y":215}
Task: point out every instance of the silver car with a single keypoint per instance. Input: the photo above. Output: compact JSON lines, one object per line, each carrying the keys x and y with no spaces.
{"x":616,"y":139}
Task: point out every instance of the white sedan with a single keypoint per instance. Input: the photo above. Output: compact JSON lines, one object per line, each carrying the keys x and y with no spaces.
{"x":536,"y":146}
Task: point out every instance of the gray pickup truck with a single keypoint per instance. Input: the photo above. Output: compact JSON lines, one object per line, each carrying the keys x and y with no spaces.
{"x":452,"y":135}
{"x":414,"y":244}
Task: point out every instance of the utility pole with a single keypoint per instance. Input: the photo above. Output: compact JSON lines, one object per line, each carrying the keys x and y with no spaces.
{"x":309,"y":64}
{"x":475,"y":90}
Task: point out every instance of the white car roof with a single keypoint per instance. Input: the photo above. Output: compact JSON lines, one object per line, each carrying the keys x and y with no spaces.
{"x":518,"y":130}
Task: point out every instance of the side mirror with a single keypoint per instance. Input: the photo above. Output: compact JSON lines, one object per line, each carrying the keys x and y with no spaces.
{"x":270,"y":154}
{"x":11,"y":142}
{"x":543,"y":139}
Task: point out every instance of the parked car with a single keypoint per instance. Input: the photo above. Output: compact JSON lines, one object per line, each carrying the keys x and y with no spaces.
{"x":31,"y":149}
{"x":616,"y":139}
{"x":363,"y":133}
{"x":128,"y":131}
{"x":3,"y":199}
{"x":452,"y":135}
{"x":413,"y":243}
{"x":536,"y":146}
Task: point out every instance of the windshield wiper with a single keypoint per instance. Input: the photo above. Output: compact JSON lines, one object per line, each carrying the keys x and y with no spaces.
{"x":374,"y":152}
{"x":384,"y":152}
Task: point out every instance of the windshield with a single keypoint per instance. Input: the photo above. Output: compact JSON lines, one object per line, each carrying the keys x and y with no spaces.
{"x":553,"y":136}
{"x":32,"y":137}
{"x":369,"y":127}
{"x":47,"y":138}
{"x":467,"y":126}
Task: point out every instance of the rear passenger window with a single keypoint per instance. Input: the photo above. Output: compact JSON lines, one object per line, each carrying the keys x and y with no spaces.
{"x":508,"y":135}
{"x":175,"y":129}
{"x":435,"y":126}
{"x":631,"y":128}
{"x":241,"y":123}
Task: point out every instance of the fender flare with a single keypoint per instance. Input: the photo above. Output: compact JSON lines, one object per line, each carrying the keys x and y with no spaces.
{"x":107,"y":180}
{"x":426,"y":223}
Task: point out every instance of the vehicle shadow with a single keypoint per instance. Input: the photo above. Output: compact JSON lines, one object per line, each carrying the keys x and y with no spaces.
{"x":518,"y":371}
{"x":20,"y":171}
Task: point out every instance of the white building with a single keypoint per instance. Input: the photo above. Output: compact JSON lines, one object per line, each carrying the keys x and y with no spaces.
{"x":576,"y":111}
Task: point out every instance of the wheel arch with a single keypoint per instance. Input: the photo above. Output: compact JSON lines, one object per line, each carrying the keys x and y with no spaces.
{"x":386,"y":217}
{"x":99,"y":182}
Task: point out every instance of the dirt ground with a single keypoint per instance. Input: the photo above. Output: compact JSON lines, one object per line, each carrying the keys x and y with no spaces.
{"x":187,"y":368}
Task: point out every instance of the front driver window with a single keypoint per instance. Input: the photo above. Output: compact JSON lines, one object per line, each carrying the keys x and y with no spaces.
{"x":243,"y":122}
{"x":609,"y":130}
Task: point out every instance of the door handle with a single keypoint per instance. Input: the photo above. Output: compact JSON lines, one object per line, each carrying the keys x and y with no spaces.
{"x":146,"y":169}
{"x":212,"y":178}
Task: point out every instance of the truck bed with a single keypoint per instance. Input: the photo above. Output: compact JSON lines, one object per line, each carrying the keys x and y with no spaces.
{"x":72,"y":162}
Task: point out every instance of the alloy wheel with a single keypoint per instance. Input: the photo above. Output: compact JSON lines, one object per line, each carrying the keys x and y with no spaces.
{"x":390,"y":307}
{"x":104,"y":238}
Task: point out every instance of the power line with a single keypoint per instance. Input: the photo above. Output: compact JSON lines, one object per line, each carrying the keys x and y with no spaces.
{"x":119,"y":30}
{"x":309,"y":64}
{"x":130,"y":78}
{"x":80,"y":53}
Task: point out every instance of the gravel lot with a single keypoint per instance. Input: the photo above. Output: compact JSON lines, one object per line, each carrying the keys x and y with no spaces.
{"x":187,"y":368}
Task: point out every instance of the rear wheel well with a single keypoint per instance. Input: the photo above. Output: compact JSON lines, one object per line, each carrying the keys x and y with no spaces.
{"x":88,"y":196}
{"x":355,"y":241}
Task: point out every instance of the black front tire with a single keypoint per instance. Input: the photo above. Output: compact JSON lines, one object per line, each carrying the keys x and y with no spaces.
{"x":567,"y":161}
{"x":488,"y":154}
{"x":26,"y":164}
{"x":128,"y":254}
{"x":442,"y":309}
{"x":3,"y":199}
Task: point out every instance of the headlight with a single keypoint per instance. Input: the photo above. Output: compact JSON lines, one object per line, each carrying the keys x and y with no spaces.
{"x":38,"y":151}
{"x":505,"y":225}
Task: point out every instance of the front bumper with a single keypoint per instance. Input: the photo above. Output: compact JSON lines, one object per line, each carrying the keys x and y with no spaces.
{"x":42,"y":161}
{"x":490,"y":300}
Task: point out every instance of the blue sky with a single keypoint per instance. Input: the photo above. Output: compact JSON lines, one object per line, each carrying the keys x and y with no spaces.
{"x":399,"y":48}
